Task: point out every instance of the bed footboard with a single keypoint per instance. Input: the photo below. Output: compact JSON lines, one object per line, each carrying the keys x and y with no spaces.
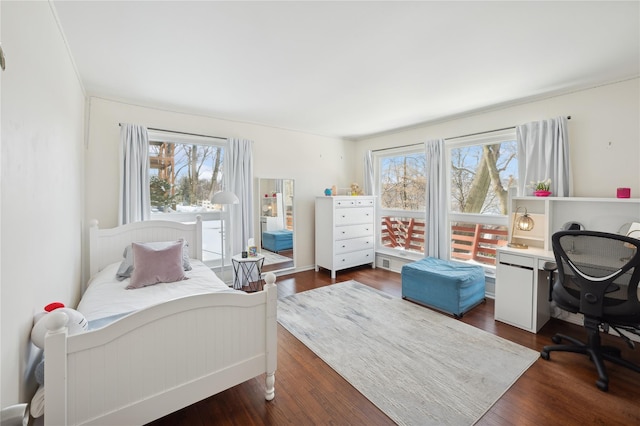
{"x":160,"y":359}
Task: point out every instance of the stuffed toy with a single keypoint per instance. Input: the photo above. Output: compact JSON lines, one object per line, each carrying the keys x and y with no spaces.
{"x":355,"y":189}
{"x":77,"y":323}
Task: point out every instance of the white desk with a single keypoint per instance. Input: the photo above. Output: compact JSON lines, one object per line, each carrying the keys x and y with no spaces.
{"x":522,"y":288}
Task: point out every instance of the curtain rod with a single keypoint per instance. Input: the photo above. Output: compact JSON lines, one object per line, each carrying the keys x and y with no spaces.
{"x":396,"y":147}
{"x":181,"y":133}
{"x":488,"y":131}
{"x":448,"y":139}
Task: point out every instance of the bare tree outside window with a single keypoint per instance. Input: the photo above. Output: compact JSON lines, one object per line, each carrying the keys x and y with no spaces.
{"x":403,"y":187}
{"x":403,"y":182}
{"x":183,"y":175}
{"x":481,"y":176}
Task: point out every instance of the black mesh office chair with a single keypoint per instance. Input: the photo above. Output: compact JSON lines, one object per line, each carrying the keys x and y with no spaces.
{"x":598,"y":276}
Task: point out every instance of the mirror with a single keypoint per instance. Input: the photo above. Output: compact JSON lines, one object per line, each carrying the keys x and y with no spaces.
{"x":275,"y":227}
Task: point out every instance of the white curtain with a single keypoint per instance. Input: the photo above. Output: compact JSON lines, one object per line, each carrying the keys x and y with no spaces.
{"x":239,"y":175}
{"x":543,"y":153}
{"x":135,"y":199}
{"x":369,"y":187}
{"x":436,"y":238}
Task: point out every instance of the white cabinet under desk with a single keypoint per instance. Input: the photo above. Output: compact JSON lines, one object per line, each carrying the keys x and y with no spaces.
{"x":522,"y":288}
{"x":522,"y":284}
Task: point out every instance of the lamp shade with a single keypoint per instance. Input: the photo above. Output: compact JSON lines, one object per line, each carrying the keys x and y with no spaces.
{"x":225,"y":197}
{"x":523,"y":222}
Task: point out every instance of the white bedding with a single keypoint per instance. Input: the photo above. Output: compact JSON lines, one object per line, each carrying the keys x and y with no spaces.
{"x":107,"y":297}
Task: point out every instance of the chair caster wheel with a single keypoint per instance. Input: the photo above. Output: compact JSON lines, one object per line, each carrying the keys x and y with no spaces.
{"x":602,"y":385}
{"x":544,"y":355}
{"x":556,"y":339}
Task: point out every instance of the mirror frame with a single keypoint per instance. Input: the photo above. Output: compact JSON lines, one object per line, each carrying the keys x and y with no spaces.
{"x":265,"y":186}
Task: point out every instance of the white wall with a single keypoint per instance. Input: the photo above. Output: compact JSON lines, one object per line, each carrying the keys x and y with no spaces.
{"x":42,"y":183}
{"x":314,"y":162}
{"x":604,"y":134}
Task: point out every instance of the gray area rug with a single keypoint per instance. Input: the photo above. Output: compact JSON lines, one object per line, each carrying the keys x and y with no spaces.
{"x":418,"y":366}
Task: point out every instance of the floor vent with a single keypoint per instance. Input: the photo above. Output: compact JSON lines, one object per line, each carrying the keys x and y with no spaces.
{"x":385,"y":263}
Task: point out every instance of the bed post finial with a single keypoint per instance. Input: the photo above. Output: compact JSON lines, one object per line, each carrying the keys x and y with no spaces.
{"x":270,"y":278}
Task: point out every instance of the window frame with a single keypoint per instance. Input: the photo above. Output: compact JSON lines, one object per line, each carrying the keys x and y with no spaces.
{"x":503,"y":135}
{"x":381,"y":212}
{"x":206,"y":216}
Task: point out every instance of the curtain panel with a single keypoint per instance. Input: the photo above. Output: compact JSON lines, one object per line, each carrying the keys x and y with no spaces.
{"x":239,"y":175}
{"x":543,"y":153}
{"x":135,"y":197}
{"x":369,"y":187}
{"x":436,"y":243}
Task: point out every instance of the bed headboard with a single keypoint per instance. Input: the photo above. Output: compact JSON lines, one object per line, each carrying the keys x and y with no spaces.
{"x":106,"y":245}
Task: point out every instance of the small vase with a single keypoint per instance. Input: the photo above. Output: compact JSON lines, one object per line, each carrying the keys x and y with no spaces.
{"x":541,"y":193}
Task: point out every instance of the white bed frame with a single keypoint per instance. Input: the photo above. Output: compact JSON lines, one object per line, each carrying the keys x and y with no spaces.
{"x":163,"y":358}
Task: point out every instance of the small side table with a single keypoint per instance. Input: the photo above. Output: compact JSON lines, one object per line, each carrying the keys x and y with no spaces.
{"x":244,"y":268}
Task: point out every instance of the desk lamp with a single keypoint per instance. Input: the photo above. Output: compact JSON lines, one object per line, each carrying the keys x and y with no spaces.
{"x":523,"y":223}
{"x":633,"y":232}
{"x":225,"y":198}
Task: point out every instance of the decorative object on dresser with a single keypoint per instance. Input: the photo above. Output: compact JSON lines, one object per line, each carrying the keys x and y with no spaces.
{"x":345,"y":232}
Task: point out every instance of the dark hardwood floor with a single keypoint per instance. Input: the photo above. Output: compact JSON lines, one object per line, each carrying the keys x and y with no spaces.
{"x":561,"y":391}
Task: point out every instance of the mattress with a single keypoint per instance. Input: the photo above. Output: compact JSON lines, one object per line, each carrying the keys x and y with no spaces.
{"x":107,"y":297}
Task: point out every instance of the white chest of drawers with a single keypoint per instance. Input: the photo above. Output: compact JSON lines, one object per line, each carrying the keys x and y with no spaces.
{"x":345,"y":232}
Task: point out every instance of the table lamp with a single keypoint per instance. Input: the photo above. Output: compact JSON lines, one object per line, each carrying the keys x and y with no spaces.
{"x":523,"y":223}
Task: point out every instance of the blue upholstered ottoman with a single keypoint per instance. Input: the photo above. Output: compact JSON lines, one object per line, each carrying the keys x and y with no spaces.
{"x":448,"y":286}
{"x":279,"y":240}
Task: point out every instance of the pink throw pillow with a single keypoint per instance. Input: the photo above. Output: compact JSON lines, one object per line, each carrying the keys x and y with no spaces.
{"x":153,"y":266}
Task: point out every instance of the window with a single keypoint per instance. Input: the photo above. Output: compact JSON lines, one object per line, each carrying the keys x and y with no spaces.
{"x":482,"y":168}
{"x":185,"y":171}
{"x":401,"y":177}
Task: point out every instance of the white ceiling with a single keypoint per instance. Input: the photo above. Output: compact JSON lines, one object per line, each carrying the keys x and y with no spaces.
{"x":346,"y":69}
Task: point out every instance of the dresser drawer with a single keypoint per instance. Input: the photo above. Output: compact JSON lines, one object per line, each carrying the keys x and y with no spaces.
{"x":354,"y":231}
{"x":354,"y":215}
{"x":355,"y":258}
{"x":353,"y":244}
{"x":367,"y":202}
{"x":346,"y":203}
